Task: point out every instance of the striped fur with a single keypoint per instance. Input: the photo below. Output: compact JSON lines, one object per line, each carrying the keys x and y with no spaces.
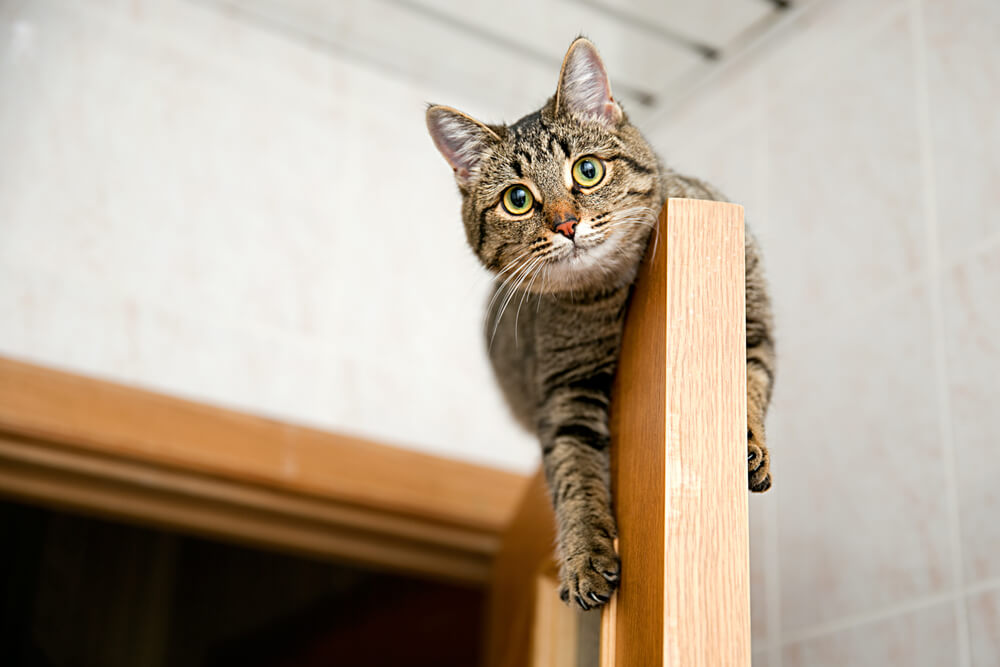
{"x":554,"y":322}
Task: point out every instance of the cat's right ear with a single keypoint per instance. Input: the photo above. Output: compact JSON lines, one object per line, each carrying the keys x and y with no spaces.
{"x":461,"y":139}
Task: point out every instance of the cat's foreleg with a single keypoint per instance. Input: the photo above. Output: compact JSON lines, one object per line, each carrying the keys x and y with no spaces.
{"x":575,"y":442}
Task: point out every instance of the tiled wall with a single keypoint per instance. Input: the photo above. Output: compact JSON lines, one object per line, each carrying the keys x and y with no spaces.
{"x":864,"y":141}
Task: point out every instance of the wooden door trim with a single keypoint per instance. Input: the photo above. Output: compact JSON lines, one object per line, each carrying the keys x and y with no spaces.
{"x":678,"y":428}
{"x":72,"y":441}
{"x":526,"y":552}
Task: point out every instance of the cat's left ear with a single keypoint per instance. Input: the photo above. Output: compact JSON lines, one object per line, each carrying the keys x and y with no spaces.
{"x":584,"y":90}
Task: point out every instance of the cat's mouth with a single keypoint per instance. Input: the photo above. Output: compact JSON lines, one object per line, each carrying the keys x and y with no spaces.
{"x":583,"y":251}
{"x":581,"y":244}
{"x":603,"y":250}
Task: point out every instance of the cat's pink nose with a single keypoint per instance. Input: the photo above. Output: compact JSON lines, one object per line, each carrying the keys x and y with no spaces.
{"x":567,"y":227}
{"x":562,"y":217}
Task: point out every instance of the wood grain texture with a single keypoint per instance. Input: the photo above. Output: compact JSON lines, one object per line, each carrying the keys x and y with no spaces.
{"x":68,"y":440}
{"x":679,"y":453}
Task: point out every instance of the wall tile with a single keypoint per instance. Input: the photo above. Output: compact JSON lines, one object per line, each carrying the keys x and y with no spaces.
{"x":51,"y":320}
{"x":761,"y":659}
{"x":844,"y":164}
{"x":714,"y":21}
{"x":728,"y":100}
{"x":972,"y":324}
{"x":821,"y":36}
{"x":732,"y":160}
{"x":924,"y":638}
{"x":762,"y":535}
{"x":963,"y":87}
{"x":984,"y":628}
{"x":856,"y":458}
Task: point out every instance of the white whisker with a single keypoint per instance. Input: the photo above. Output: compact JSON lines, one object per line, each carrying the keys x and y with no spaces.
{"x":500,"y":289}
{"x":522,"y":273}
{"x":527,"y":290}
{"x":513,"y":295}
{"x":512,"y":265}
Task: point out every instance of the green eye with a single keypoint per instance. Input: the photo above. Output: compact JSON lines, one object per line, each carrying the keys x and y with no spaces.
{"x":588,"y":171}
{"x":518,"y":200}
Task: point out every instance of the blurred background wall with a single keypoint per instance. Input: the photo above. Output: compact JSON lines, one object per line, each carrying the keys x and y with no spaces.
{"x":238,"y":203}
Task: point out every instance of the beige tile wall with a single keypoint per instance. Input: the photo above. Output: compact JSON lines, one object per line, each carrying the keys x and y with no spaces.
{"x":864,"y":141}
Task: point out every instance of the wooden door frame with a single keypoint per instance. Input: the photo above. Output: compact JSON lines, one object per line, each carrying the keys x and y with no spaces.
{"x":70,"y":441}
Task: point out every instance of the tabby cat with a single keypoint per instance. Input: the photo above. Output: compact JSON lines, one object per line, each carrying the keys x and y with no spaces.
{"x":560,"y":207}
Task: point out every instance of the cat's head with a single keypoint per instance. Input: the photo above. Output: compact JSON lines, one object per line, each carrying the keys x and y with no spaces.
{"x":564,"y":198}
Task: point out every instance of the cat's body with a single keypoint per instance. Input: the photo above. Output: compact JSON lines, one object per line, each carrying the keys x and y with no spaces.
{"x":561,"y":205}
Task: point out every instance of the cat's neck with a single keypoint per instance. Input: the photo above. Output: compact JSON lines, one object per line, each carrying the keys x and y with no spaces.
{"x":586,"y":296}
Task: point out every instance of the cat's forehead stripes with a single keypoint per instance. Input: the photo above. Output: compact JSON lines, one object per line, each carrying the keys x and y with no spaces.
{"x":540,"y":147}
{"x":532,"y":133}
{"x":536,"y":138}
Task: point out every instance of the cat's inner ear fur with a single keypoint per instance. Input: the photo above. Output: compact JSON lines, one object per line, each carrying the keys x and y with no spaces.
{"x":584,"y":90}
{"x":461,"y":139}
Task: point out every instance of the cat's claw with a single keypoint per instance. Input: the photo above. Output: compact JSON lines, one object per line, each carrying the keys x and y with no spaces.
{"x":591,"y":576}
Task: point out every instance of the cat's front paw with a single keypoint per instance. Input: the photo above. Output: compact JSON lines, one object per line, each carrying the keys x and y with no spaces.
{"x":590,"y":570}
{"x":758,"y":462}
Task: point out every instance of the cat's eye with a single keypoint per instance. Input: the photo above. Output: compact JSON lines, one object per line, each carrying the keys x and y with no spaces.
{"x":517,"y":200}
{"x":588,"y":171}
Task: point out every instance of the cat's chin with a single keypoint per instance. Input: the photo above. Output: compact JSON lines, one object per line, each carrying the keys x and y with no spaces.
{"x":583,"y":268}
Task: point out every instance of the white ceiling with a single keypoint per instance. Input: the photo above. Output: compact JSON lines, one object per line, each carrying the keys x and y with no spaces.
{"x":506,"y":55}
